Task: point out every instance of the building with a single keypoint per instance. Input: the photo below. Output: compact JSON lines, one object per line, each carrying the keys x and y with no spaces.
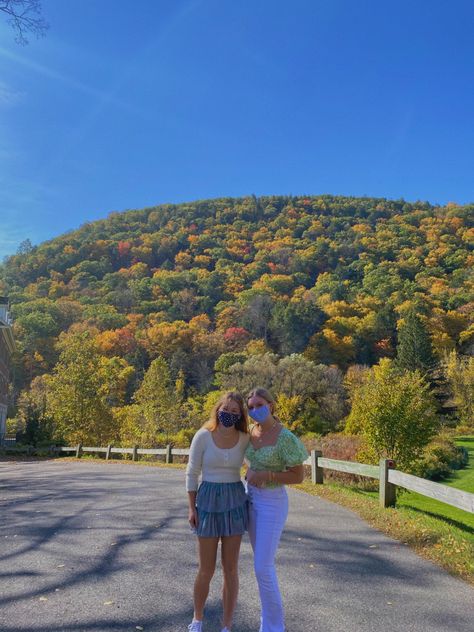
{"x":7,"y":346}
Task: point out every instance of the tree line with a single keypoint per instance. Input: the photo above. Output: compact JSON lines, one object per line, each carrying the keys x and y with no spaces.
{"x":300,"y":294}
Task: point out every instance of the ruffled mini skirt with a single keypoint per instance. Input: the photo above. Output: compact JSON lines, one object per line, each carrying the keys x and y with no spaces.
{"x":222,"y":509}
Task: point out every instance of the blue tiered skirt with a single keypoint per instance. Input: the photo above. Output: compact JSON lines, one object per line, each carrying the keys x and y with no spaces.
{"x":222,"y":509}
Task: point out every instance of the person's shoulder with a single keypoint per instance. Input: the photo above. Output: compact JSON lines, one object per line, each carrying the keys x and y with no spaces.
{"x":288,"y":438}
{"x":286,"y":435}
{"x":201,"y":435}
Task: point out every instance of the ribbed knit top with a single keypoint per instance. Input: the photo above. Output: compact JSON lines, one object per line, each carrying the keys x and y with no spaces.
{"x":214,"y":464}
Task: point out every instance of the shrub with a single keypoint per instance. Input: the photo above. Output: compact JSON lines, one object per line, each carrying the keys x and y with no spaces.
{"x":441,"y":456}
{"x":395,"y":414}
{"x":342,"y":447}
{"x":183,"y":438}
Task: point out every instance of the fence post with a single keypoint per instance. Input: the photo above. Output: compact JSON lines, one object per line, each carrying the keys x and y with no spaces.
{"x":387,"y":491}
{"x":79,"y":450}
{"x":135,"y":453}
{"x":109,"y":452}
{"x":316,"y":471}
{"x":169,"y":454}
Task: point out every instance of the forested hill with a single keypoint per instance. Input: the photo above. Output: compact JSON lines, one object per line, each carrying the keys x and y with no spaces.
{"x":326,"y":276}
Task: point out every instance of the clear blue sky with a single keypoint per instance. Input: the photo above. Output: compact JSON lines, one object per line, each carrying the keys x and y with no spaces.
{"x":130,"y":104}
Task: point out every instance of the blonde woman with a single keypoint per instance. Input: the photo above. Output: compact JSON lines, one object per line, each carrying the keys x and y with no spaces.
{"x":218,"y":507}
{"x":275,"y":458}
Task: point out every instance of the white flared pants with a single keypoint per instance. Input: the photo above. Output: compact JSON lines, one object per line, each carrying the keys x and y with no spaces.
{"x":268,"y":513}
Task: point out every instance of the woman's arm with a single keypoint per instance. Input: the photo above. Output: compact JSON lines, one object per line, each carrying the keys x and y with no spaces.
{"x":291,"y":476}
{"x":193,"y":471}
{"x":194,"y":467}
{"x":192,"y":513}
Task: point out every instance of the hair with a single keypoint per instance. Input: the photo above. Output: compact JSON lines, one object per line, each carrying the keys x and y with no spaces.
{"x":242,"y":425}
{"x":264,"y":394}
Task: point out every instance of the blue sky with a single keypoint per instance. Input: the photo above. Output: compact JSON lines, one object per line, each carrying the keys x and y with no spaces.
{"x":130,"y":104}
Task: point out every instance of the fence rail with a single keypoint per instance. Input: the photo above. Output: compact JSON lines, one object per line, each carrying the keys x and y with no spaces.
{"x":389,"y":478}
{"x":445,"y":494}
{"x":362,"y":469}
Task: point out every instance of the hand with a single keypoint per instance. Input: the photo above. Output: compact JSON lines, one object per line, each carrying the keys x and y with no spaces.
{"x":257,"y":479}
{"x":193,"y":518}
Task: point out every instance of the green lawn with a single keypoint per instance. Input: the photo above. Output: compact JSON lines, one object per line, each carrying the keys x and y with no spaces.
{"x":433,"y":529}
{"x":462,"y":479}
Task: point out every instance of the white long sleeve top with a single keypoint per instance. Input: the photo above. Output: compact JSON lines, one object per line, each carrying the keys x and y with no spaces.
{"x":215,"y":465}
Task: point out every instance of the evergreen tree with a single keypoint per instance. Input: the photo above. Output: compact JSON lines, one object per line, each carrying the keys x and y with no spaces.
{"x":161,"y":401}
{"x":414,"y":345}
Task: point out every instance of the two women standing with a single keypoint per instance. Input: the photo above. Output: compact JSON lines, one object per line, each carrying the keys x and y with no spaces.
{"x":221,"y":510}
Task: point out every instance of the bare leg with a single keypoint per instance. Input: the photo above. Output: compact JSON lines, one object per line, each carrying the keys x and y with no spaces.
{"x":230,"y":549}
{"x":207,"y":564}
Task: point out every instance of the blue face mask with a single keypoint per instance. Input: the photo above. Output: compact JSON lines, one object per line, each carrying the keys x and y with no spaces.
{"x":260,"y":414}
{"x":227,"y":419}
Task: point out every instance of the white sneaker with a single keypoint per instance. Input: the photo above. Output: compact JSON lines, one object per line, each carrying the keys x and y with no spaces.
{"x":195,"y":626}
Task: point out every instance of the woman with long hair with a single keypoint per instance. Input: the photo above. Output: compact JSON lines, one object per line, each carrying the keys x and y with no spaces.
{"x":218,"y":507}
{"x":275,"y":458}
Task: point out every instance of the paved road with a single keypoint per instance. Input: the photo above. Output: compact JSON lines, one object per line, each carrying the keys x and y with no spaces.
{"x":105,"y":547}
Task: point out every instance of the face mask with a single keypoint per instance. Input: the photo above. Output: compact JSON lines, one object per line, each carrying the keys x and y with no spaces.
{"x":260,"y":414}
{"x":227,"y":419}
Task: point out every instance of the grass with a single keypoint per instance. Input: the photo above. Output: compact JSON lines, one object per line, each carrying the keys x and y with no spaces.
{"x":438,"y":532}
{"x":461,"y":479}
{"x":464,"y":479}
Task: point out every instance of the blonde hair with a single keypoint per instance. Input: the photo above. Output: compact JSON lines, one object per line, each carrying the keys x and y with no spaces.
{"x":264,"y":394}
{"x":233,"y":396}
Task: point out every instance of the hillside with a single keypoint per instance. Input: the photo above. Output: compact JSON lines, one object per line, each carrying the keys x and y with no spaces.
{"x":326,"y":276}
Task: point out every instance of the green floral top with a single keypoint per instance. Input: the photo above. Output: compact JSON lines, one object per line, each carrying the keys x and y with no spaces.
{"x":287,"y":452}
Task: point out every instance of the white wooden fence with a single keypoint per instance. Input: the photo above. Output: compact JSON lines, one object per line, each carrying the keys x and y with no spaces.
{"x":389,"y":478}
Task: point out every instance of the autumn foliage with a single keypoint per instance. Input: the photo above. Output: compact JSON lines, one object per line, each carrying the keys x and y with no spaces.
{"x":330,"y":279}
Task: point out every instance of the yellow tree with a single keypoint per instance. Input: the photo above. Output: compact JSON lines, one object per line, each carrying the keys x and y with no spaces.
{"x":77,"y":393}
{"x":460,"y":374}
{"x":395,"y":413}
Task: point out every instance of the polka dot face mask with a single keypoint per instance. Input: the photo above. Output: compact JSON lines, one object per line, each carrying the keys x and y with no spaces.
{"x":228,"y":419}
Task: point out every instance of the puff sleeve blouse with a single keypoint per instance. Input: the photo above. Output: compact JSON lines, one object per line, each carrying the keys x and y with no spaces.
{"x":287,"y":452}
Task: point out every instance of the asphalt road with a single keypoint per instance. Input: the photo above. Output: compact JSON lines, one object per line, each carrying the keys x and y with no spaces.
{"x":106,"y":547}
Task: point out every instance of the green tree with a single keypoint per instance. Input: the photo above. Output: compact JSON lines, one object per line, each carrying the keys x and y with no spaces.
{"x":35,"y":426}
{"x":223,"y":364}
{"x":414,"y":344}
{"x":395,"y":413}
{"x":257,"y":370}
{"x":77,"y":393}
{"x":316,"y":392}
{"x":294,"y":323}
{"x":161,"y":402}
